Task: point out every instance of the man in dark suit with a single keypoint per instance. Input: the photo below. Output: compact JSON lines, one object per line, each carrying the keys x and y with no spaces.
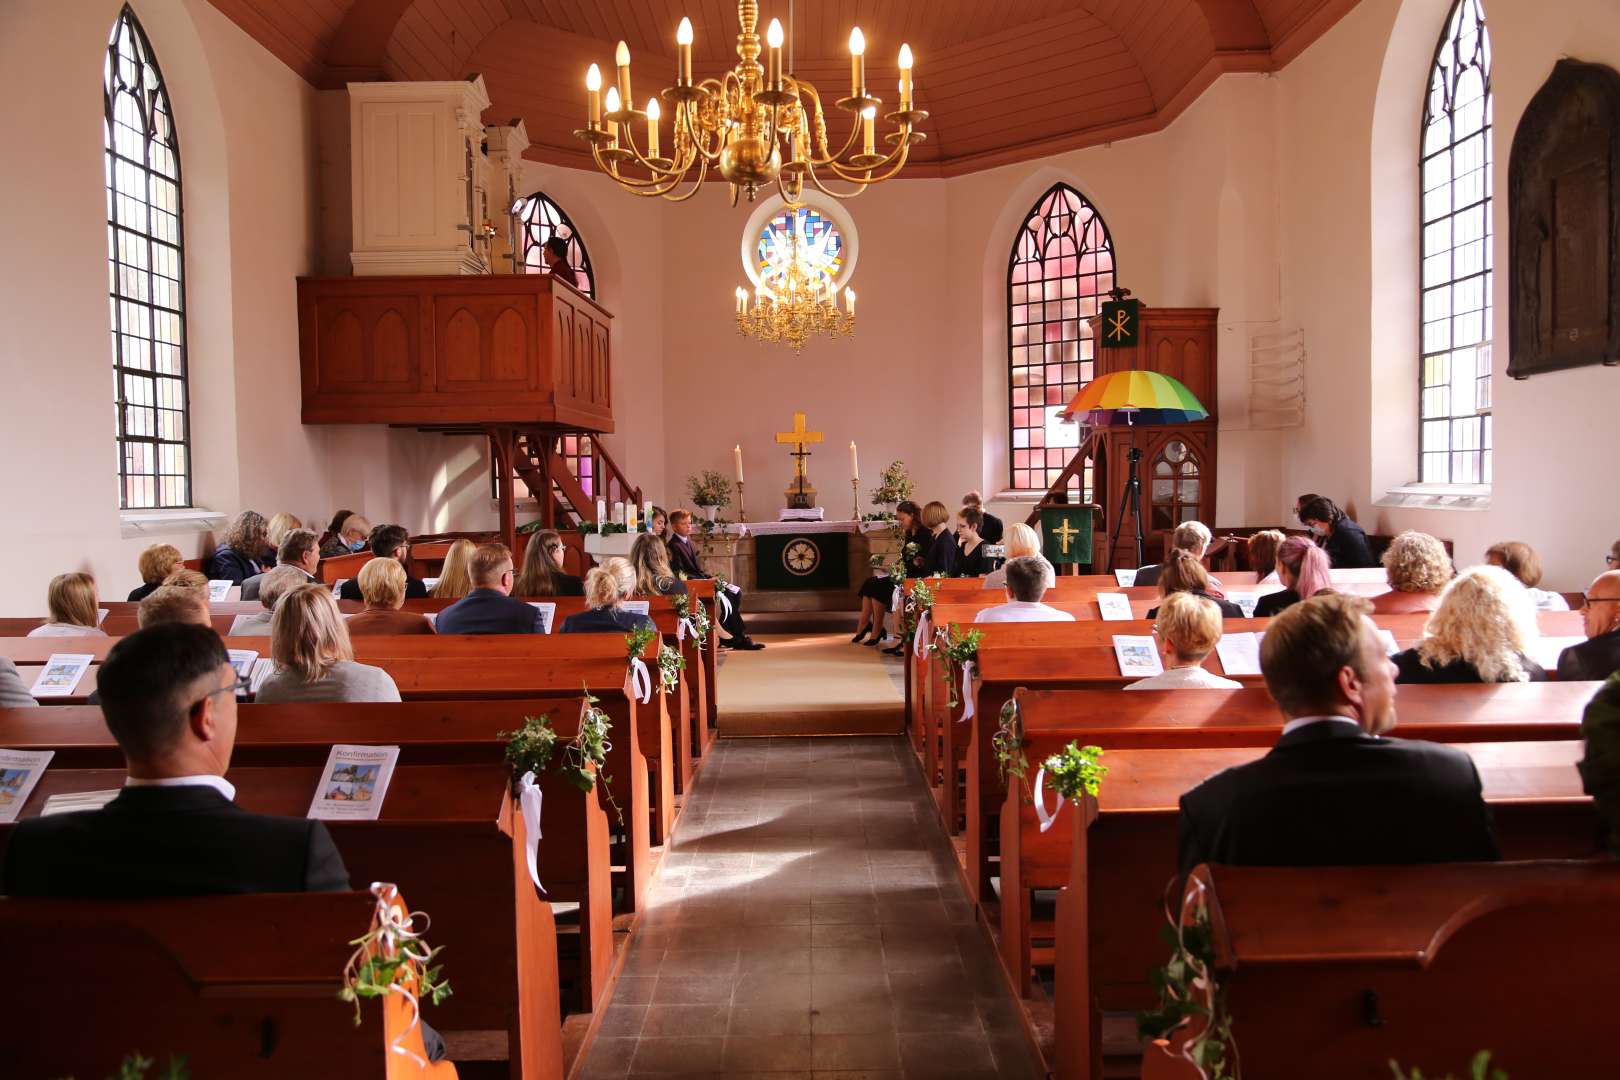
{"x":1598,"y":657}
{"x":388,"y":542}
{"x":299,"y":550}
{"x":490,"y":608}
{"x":169,"y":696}
{"x":992,"y":529}
{"x":1334,"y":791}
{"x":683,"y":559}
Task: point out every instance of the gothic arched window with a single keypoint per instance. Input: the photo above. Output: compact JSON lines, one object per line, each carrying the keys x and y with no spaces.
{"x":146,"y":279}
{"x":539,"y":219}
{"x":1061,"y":268}
{"x":1455,"y":164}
{"x":1176,"y":487}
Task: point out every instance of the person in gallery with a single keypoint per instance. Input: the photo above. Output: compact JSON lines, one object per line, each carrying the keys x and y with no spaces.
{"x":940,"y":550}
{"x":877,"y":591}
{"x":70,"y":601}
{"x":1418,"y":569}
{"x":1598,"y":657}
{"x":992,"y":529}
{"x":156,"y":563}
{"x":1026,"y":585}
{"x":1021,"y":540}
{"x":241,"y":551}
{"x":1187,"y":629}
{"x":1479,"y":633}
{"x":1303,"y":569}
{"x":1521,"y":560}
{"x":314,"y":658}
{"x":555,"y":255}
{"x":1344,"y":540}
{"x":382,"y":583}
{"x":1335,"y":790}
{"x":607,"y":587}
{"x":1184,"y":573}
{"x":490,"y":608}
{"x":542,"y":573}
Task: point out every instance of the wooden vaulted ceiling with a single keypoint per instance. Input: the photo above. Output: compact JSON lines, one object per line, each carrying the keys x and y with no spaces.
{"x":1004,"y":80}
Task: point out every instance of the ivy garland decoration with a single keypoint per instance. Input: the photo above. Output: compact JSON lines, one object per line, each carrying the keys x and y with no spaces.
{"x":377,"y":974}
{"x":533,"y":748}
{"x":1075,"y":771}
{"x":1189,"y":989}
{"x":606,"y":528}
{"x":1008,"y":744}
{"x":670,"y":665}
{"x":697,"y":617}
{"x":960,"y":649}
{"x":637,"y":640}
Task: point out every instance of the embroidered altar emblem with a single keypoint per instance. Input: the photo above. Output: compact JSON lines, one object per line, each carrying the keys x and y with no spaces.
{"x":1119,"y":324}
{"x":801,"y":557}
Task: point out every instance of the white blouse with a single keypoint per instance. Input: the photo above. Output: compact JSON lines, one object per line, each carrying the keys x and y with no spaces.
{"x":56,"y":629}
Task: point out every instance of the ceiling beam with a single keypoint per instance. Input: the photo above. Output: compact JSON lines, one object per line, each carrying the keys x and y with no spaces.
{"x":356,"y":50}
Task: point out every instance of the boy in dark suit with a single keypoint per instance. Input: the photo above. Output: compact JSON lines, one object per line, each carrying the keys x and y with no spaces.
{"x":1334,"y":791}
{"x":169,"y":696}
{"x":489,"y":608}
{"x":683,"y":559}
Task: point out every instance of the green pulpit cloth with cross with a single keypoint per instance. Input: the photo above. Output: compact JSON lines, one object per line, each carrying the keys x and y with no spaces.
{"x":1066,"y":534}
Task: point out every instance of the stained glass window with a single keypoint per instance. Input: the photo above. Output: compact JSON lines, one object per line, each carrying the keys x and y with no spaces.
{"x":820,"y":245}
{"x":145,"y":275}
{"x":1455,"y":409}
{"x":1062,"y":266}
{"x":1175,"y":487}
{"x":539,"y":219}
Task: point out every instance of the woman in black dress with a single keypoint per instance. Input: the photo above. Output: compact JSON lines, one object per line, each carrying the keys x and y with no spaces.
{"x":970,"y":559}
{"x":1345,"y":542}
{"x":939,"y":554}
{"x":877,"y":591}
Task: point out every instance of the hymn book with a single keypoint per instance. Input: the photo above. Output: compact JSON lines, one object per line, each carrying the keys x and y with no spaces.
{"x":61,"y":674}
{"x":636,"y":607}
{"x":354,"y":783}
{"x":1114,"y":606}
{"x":219,"y":589}
{"x":20,"y":770}
{"x":1138,"y":656}
{"x":1239,"y":653}
{"x":1246,"y":601}
{"x":548,"y":613}
{"x":1126,"y":578}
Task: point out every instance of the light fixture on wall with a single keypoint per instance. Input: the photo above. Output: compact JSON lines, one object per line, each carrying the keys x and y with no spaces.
{"x":797,"y":303}
{"x":754,"y":125}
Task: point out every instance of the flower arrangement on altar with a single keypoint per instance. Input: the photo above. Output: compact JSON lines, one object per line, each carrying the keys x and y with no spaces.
{"x":894,"y":485}
{"x":709,"y":488}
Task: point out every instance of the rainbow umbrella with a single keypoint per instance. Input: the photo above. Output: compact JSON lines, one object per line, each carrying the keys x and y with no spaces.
{"x":1134,"y":397}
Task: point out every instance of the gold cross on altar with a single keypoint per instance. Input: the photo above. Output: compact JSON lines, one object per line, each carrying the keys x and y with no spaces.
{"x":1066,"y":532}
{"x":799,"y":438}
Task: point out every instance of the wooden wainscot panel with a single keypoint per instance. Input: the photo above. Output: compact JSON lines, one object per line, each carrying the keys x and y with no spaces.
{"x":453,"y":350}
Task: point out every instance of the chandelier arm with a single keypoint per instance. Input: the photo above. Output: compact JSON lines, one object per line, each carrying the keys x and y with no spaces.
{"x":894,"y":162}
{"x":696,"y":136}
{"x":842,"y":196}
{"x":697,"y":185}
{"x":660,"y":186}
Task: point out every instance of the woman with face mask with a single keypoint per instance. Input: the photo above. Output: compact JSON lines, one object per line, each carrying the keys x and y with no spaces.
{"x":1345,"y":542}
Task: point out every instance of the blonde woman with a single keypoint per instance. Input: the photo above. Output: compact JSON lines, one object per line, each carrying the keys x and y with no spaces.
{"x":1418,"y":568}
{"x":1479,"y":633}
{"x":156,"y":563}
{"x":649,"y":560}
{"x":1521,"y":560}
{"x":280,"y":525}
{"x":454,"y":579}
{"x":313,"y":657}
{"x":242,"y":550}
{"x":1020,"y":540}
{"x":607,"y":587}
{"x":382,"y":584}
{"x":71,"y":602}
{"x":1186,"y":631}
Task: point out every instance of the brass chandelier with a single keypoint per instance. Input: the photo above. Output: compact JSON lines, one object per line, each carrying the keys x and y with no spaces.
{"x":799,"y":307}
{"x":754,"y":125}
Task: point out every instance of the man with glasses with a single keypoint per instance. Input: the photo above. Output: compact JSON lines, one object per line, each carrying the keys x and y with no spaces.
{"x":388,"y":542}
{"x":168,"y":693}
{"x":490,"y":608}
{"x":1598,"y":657}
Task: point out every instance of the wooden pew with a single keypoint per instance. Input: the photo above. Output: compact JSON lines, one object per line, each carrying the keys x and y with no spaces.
{"x":242,"y":986}
{"x":1333,"y":971}
{"x":1113,"y":872}
{"x":446,"y":837}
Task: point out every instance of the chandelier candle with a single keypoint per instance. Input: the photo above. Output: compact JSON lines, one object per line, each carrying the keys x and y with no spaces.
{"x":621,"y":59}
{"x":905,"y":78}
{"x":652,"y":128}
{"x":613,"y":108}
{"x":857,"y":63}
{"x":593,"y":97}
{"x":683,"y":53}
{"x":773,"y":58}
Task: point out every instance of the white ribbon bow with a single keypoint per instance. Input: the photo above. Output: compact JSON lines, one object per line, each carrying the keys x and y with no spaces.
{"x":899,"y":596}
{"x":925,"y":630}
{"x":396,"y":932}
{"x":529,"y":802}
{"x":969,"y":707}
{"x":684,"y":627}
{"x":640,"y":679}
{"x":1045,"y":818}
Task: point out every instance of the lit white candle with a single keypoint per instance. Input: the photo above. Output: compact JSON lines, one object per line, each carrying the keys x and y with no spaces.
{"x":849,"y":300}
{"x":905,"y":78}
{"x":857,"y":63}
{"x":736,"y":452}
{"x":683,"y":53}
{"x":621,"y":59}
{"x":593,"y":95}
{"x":773,"y":58}
{"x":613,"y":106}
{"x":653,"y":113}
{"x":742,"y":300}
{"x":601,"y":514}
{"x":868,"y":129}
{"x":854,"y":462}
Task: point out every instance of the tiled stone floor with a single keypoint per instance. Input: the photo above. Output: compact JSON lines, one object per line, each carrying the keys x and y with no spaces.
{"x":808,"y":922}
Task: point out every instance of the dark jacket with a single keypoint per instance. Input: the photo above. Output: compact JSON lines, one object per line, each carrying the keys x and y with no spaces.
{"x":668,"y":586}
{"x":1229,"y":610}
{"x":940,"y":554}
{"x":1328,"y":794}
{"x":1347,"y":548}
{"x":1413,"y":670}
{"x":250,"y":587}
{"x":488,"y":611}
{"x":567,"y":585}
{"x":919,"y":536}
{"x":1274,"y":603}
{"x":169,"y":841}
{"x":350,"y":589}
{"x":1148,"y":575}
{"x":992,"y":529}
{"x":1600,"y":764}
{"x":1596,"y":658}
{"x":683,"y":557}
{"x":228,"y":564}
{"x":605,"y":621}
{"x":137,"y":595}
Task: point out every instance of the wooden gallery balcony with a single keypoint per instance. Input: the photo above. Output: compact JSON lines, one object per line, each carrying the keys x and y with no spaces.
{"x":479,"y":353}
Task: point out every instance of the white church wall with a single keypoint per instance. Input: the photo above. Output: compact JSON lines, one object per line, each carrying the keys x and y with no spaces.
{"x":246,"y":148}
{"x":1351,"y":109}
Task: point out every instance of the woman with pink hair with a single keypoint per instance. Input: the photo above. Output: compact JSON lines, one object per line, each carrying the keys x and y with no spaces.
{"x":1302,"y":567}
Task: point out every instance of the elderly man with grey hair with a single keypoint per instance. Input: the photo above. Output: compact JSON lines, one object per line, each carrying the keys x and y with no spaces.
{"x":298,"y":548}
{"x":1190,"y":536}
{"x":277,"y":583}
{"x":1026,"y":584}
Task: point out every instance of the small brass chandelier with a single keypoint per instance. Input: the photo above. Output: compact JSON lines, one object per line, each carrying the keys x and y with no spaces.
{"x":754,"y":125}
{"x":800,"y":306}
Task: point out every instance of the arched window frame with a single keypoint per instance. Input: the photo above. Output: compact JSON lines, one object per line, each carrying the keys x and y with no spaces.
{"x":1455,"y":259}
{"x":539,"y":217}
{"x":1086,"y":288}
{"x":145,"y":238}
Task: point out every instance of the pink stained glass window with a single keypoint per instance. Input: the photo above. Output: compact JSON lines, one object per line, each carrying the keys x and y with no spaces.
{"x":1062,"y":265}
{"x":538,"y":220}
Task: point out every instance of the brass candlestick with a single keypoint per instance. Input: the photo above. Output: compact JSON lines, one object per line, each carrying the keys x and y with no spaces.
{"x":855,"y":491}
{"x":742,"y":513}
